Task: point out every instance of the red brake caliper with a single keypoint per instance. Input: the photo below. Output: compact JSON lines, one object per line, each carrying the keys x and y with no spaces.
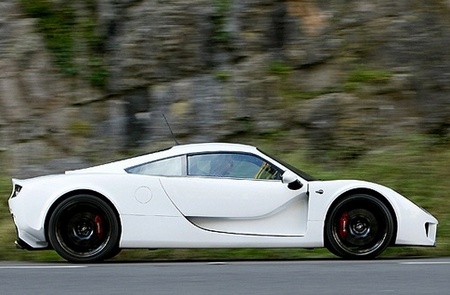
{"x":343,"y":225}
{"x":98,"y":225}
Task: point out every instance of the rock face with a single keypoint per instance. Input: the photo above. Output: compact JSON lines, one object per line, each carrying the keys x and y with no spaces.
{"x":337,"y":75}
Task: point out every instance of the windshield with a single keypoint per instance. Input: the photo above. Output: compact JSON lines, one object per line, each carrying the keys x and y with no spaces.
{"x":297,"y":171}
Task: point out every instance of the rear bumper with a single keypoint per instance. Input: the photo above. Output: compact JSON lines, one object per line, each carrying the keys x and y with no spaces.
{"x":21,"y":244}
{"x":28,"y":238}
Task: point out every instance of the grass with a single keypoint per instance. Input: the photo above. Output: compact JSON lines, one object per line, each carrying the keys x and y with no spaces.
{"x":412,"y":165}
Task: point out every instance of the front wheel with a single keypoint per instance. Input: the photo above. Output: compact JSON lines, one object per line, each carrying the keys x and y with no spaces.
{"x":84,"y":229}
{"x":359,"y":227}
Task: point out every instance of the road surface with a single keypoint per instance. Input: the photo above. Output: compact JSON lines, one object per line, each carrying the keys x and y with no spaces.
{"x":331,"y":276}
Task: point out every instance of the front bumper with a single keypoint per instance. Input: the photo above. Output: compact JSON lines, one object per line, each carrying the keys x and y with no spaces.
{"x":418,"y":230}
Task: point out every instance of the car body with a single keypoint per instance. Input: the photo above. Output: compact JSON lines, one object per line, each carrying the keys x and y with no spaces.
{"x":206,"y":196}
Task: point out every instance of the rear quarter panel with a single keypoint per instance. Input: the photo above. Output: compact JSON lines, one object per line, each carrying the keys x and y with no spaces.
{"x":130,"y":194}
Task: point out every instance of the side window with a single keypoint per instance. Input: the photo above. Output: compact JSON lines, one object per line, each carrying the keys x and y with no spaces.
{"x":234,"y":165}
{"x":165,"y":167}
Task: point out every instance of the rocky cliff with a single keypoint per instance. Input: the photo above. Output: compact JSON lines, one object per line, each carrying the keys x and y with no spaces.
{"x":85,"y":81}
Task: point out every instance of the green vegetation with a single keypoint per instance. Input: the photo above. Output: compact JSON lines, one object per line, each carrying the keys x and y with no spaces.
{"x":363,"y":75}
{"x":411,"y":165}
{"x":291,"y":95}
{"x":69,"y":37}
{"x":221,"y":35}
{"x":223,"y":76}
{"x":280,"y":69}
{"x":57,"y":26}
{"x":80,"y":128}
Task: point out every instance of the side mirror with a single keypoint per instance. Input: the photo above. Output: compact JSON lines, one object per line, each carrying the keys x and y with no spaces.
{"x":292,"y":180}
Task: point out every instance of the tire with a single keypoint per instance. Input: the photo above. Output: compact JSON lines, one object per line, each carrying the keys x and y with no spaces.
{"x":359,"y":227}
{"x":84,"y":229}
{"x":113,"y":253}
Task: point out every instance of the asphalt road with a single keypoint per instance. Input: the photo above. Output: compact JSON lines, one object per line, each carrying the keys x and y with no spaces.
{"x":404,"y":276}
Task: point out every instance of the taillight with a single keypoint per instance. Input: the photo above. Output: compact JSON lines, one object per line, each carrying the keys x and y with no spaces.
{"x":16,"y":190}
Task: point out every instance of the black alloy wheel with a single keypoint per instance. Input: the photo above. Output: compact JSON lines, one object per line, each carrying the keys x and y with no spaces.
{"x":84,"y":229}
{"x":359,"y":227}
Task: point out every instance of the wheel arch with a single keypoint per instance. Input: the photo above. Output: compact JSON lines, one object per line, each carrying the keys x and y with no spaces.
{"x":79,"y":192}
{"x":367,"y":191}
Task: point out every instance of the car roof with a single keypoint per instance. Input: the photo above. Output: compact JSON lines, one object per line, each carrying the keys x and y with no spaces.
{"x":212,"y":147}
{"x":121,"y":165}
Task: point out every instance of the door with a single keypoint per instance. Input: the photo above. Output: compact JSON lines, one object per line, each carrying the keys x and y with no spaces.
{"x":238,"y":193}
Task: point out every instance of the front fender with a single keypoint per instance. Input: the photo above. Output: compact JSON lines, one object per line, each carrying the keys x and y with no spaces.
{"x":324,"y":193}
{"x":415,"y":226}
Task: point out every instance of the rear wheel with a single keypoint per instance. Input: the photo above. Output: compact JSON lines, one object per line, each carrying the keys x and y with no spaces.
{"x":359,"y":227}
{"x":84,"y":228}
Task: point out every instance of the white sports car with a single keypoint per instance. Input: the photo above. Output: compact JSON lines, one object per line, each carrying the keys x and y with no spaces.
{"x":207,"y":196}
